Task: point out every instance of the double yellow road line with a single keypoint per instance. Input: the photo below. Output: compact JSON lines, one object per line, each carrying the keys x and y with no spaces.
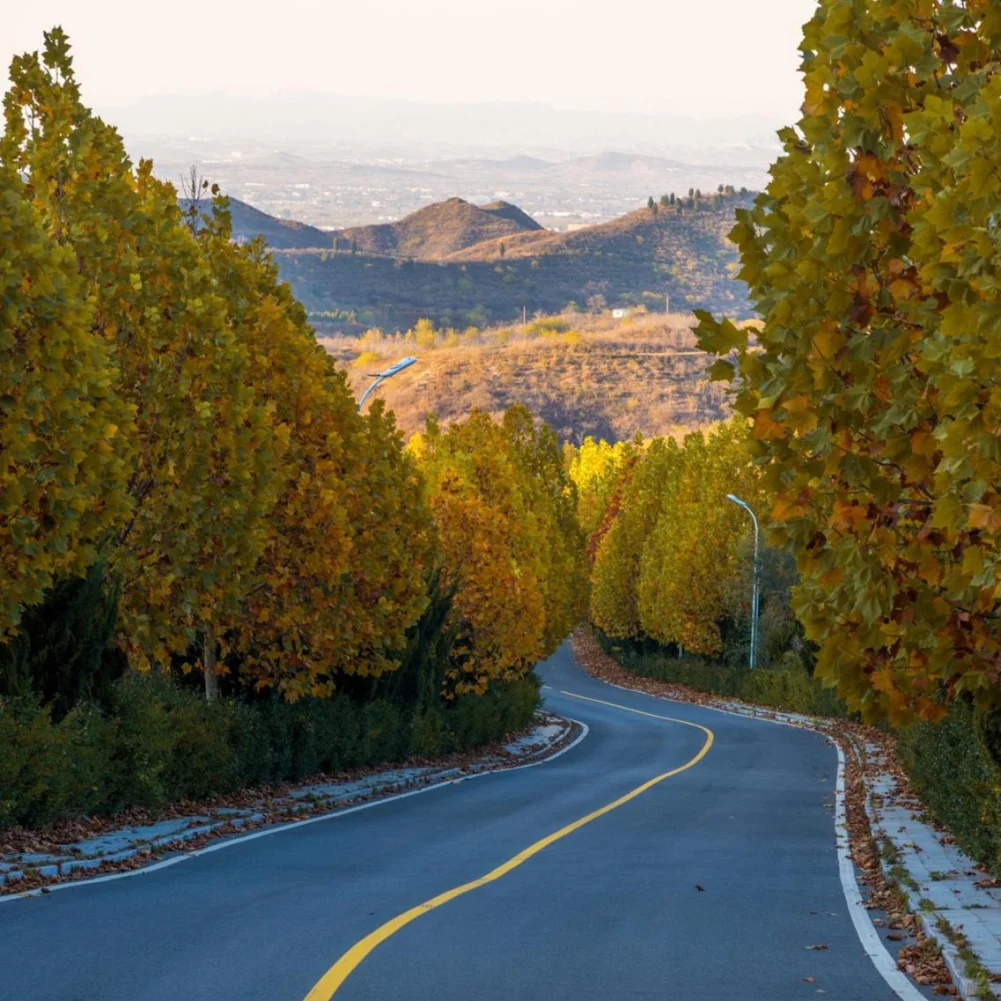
{"x":328,"y":985}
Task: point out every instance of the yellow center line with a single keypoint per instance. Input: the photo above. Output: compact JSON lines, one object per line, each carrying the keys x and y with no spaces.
{"x":330,"y":982}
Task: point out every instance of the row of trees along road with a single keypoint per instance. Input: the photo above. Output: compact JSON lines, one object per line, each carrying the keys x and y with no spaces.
{"x":670,"y":555}
{"x":167,"y":417}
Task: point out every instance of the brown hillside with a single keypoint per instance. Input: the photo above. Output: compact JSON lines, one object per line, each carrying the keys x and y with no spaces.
{"x":279,"y":234}
{"x":584,"y":375}
{"x":638,"y":234}
{"x":435,"y":232}
{"x":682,"y":252}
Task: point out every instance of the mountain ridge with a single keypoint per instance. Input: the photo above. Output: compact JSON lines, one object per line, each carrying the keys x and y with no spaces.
{"x":678,"y":252}
{"x":440,"y":229}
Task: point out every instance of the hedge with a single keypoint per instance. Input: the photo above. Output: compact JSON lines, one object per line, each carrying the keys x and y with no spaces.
{"x":789,"y":688}
{"x":158,"y":743}
{"x":953,"y":766}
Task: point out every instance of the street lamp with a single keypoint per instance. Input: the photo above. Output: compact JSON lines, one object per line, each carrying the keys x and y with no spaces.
{"x":385,"y":374}
{"x":754,"y":581}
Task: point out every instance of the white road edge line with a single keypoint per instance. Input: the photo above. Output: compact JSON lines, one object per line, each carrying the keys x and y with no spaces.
{"x":873,"y":945}
{"x":268,"y":831}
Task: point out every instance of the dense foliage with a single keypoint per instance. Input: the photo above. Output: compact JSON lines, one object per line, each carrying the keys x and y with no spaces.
{"x":157,"y":743}
{"x":953,"y":766}
{"x":505,"y":512}
{"x":873,"y":259}
{"x":791,"y":690}
{"x":665,"y":540}
{"x":186,"y":484}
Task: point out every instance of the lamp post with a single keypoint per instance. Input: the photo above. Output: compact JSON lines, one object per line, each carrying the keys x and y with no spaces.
{"x":386,"y":374}
{"x":754,"y":581}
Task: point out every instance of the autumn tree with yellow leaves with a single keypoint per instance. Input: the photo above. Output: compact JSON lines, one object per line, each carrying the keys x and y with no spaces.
{"x":597,"y":469}
{"x":169,"y":416}
{"x":63,"y":469}
{"x":873,"y":259}
{"x":694,"y":550}
{"x":504,"y":512}
{"x":202,"y":446}
{"x":664,"y":567}
{"x":340,"y":574}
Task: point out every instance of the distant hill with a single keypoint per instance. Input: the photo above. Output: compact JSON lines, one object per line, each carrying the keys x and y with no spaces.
{"x":435,"y":232}
{"x":282,"y":234}
{"x":636,"y":236}
{"x":678,"y":251}
{"x":460,"y":264}
{"x":582,"y":374}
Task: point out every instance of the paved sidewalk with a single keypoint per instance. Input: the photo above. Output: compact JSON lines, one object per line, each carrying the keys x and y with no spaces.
{"x":139,"y":843}
{"x":959,"y":906}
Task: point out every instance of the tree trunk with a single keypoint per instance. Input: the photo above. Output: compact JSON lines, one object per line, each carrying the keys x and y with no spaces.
{"x":208,"y":660}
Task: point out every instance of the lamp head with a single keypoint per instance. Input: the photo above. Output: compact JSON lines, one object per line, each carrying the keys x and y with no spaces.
{"x":398,"y":367}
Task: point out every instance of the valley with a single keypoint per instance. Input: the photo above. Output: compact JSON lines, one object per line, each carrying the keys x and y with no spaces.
{"x":460,"y":265}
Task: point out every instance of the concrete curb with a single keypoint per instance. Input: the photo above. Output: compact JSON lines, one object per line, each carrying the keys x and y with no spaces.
{"x":54,"y":869}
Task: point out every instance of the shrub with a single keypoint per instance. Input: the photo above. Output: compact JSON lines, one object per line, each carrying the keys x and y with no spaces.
{"x":548,"y":326}
{"x":49,"y":770}
{"x":428,"y":734}
{"x":384,"y":737}
{"x":367,"y":358}
{"x":473,"y":720}
{"x":788,"y":688}
{"x":953,"y":768}
{"x":159,"y":742}
{"x":62,"y":651}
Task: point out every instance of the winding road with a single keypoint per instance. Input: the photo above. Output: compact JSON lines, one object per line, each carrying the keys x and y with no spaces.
{"x":675,"y":853}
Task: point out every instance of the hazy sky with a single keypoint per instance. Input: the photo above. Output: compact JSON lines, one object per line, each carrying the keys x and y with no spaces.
{"x":717,"y":58}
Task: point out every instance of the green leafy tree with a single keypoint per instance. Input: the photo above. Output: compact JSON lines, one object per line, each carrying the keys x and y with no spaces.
{"x":201,"y":445}
{"x":872,"y":259}
{"x":508,"y":543}
{"x":340,"y":577}
{"x":617,"y":561}
{"x":695,"y":548}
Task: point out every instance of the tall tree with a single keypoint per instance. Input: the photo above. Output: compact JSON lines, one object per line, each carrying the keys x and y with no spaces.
{"x":873,"y":260}
{"x":64,"y":464}
{"x":340,"y":575}
{"x":203,"y":473}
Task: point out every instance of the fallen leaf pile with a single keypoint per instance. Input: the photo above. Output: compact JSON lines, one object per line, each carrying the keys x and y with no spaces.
{"x":923,"y":962}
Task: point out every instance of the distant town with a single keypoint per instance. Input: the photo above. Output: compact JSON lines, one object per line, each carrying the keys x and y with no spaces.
{"x":334,"y":188}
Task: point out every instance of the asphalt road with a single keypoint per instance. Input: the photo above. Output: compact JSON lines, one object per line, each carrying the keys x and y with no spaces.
{"x":610,"y":910}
